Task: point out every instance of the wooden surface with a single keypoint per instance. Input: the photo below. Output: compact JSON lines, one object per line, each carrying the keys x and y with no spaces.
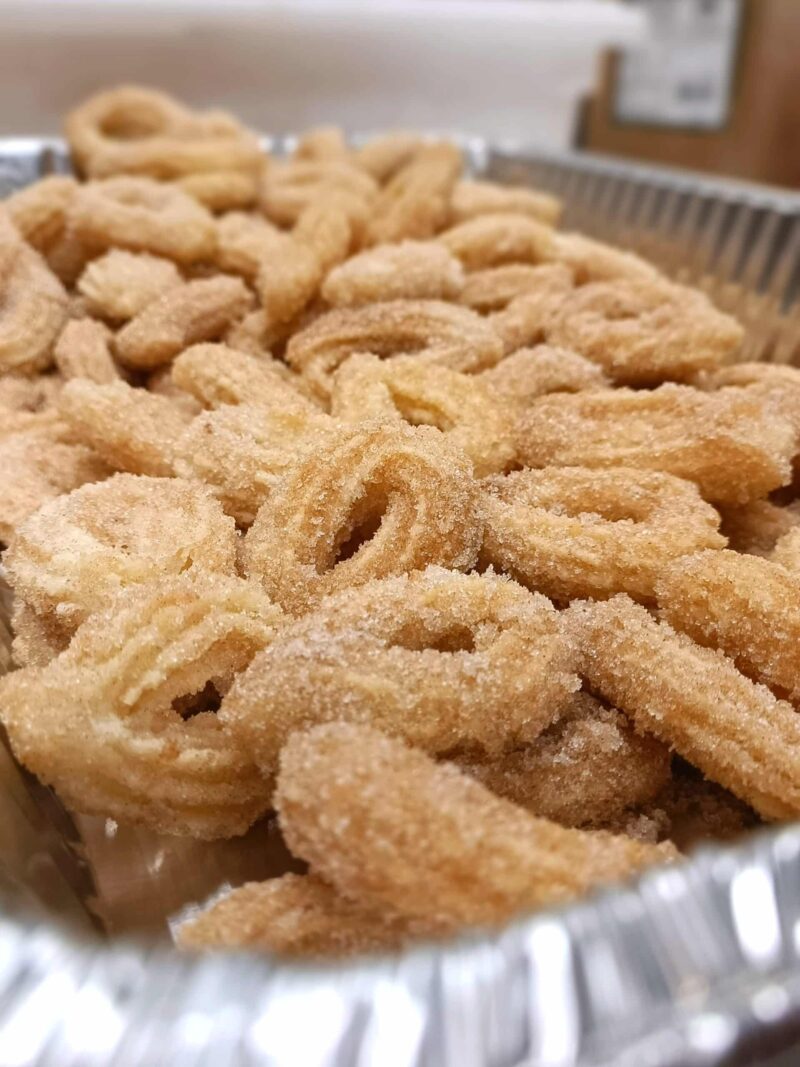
{"x":761,"y":140}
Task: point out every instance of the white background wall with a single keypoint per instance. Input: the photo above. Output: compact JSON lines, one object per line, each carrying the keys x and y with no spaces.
{"x":511,"y":70}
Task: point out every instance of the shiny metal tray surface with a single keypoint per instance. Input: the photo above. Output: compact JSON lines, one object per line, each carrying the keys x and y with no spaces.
{"x":691,"y":967}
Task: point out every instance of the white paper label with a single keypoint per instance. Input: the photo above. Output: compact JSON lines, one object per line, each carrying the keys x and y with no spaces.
{"x":682,"y":75}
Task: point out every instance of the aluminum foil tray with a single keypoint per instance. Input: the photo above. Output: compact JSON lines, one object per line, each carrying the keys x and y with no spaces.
{"x":690,"y":967}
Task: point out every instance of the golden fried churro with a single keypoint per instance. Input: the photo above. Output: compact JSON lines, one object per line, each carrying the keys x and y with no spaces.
{"x":439,"y":658}
{"x":39,"y":211}
{"x":132,"y":130}
{"x":460,"y":405}
{"x":787,"y":550}
{"x":75,"y":553}
{"x":532,"y":372}
{"x":371,"y":413}
{"x":415,"y":202}
{"x":594,"y":261}
{"x":747,"y":607}
{"x":321,"y":143}
{"x":131,"y":429}
{"x":376,"y":499}
{"x":28,"y":403}
{"x":384,"y":155}
{"x":410,"y":270}
{"x":83,"y":351}
{"x":119,"y":284}
{"x":216,"y":374}
{"x":244,"y":242}
{"x":143,"y":215}
{"x":578,"y":532}
{"x":493,"y":240}
{"x":494,"y":288}
{"x":300,"y":916}
{"x":241,"y":451}
{"x":222,"y":190}
{"x":387,"y":826}
{"x":97,"y":723}
{"x":200,"y":310}
{"x":729,"y":443}
{"x":696,"y":700}
{"x":586,"y":769}
{"x":33,"y":306}
{"x":36,"y":640}
{"x":642,"y":333}
{"x":431,"y":329}
{"x":525,"y":319}
{"x":288,"y":188}
{"x":472,"y":198}
{"x":36,"y":466}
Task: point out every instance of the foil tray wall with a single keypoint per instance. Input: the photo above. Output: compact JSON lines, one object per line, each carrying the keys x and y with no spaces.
{"x":690,"y":967}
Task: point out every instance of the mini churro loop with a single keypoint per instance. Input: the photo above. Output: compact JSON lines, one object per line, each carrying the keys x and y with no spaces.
{"x":72,"y":556}
{"x":222,"y":190}
{"x":747,"y":607}
{"x":642,"y":333}
{"x":595,"y":261}
{"x":376,"y":499}
{"x":441,"y":659}
{"x":532,"y":372}
{"x":410,"y":270}
{"x":471,"y":198}
{"x":387,"y":826}
{"x":578,"y":532}
{"x":693,"y":698}
{"x":33,"y":306}
{"x":244,"y":242}
{"x":434,"y":331}
{"x":241,"y":451}
{"x":218,"y":375}
{"x":287,"y":189}
{"x":40,"y":211}
{"x":293,"y":265}
{"x":98,"y":723}
{"x":83,"y":351}
{"x":143,"y":215}
{"x":729,"y":443}
{"x":299,"y":916}
{"x":131,"y":130}
{"x":119,"y":284}
{"x":131,"y":429}
{"x":36,"y":466}
{"x":525,"y":319}
{"x":494,"y":288}
{"x":415,"y":202}
{"x":36,"y":640}
{"x":774,"y":383}
{"x":494,"y":240}
{"x":459,"y":405}
{"x":28,"y":403}
{"x":196,"y":311}
{"x":322,"y":143}
{"x":586,"y":769}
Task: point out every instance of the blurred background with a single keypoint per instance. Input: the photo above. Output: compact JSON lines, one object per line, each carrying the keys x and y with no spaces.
{"x":707,"y":84}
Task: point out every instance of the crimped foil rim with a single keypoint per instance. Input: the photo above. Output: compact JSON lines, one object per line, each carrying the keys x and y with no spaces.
{"x":687,"y":968}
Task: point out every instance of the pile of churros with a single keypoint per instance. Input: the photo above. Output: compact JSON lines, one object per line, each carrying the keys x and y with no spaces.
{"x":350,"y":488}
